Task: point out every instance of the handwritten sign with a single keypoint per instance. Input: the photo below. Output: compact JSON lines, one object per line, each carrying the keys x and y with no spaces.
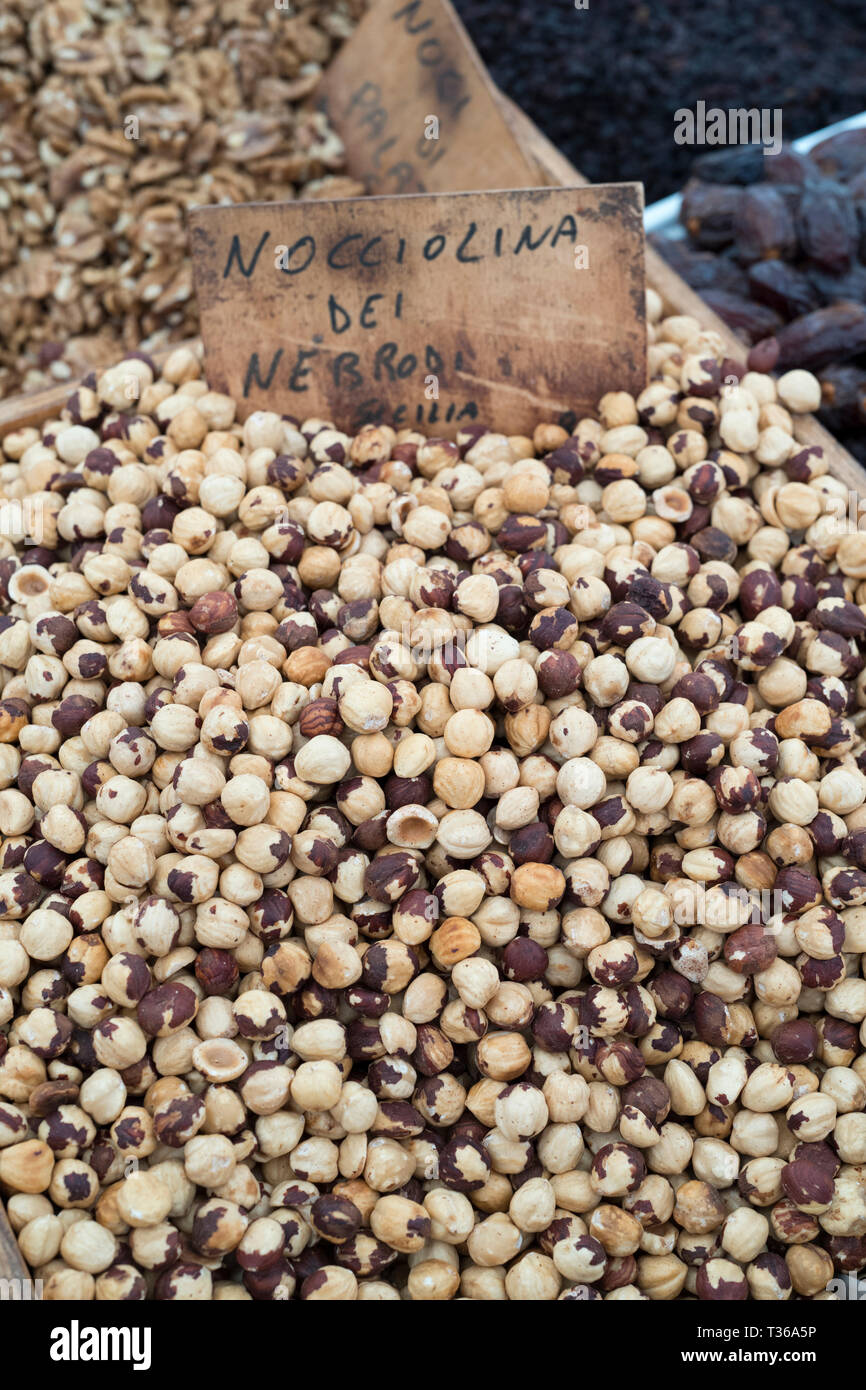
{"x":415,"y":108}
{"x":426,"y":311}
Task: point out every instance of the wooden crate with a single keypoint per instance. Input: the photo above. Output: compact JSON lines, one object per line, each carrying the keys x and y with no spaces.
{"x":554,"y":169}
{"x":11,"y":1264}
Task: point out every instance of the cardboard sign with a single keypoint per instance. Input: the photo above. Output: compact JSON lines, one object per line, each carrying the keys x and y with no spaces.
{"x":415,"y":108}
{"x":426,"y":311}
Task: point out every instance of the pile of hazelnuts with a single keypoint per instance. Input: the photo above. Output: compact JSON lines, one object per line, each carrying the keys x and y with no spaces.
{"x":433,"y":868}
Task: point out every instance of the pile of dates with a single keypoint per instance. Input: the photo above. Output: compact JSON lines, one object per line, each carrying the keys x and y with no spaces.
{"x":777,"y":246}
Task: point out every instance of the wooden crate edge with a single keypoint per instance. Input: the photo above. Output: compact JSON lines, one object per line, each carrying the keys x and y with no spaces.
{"x":12,"y":1265}
{"x":35,"y":407}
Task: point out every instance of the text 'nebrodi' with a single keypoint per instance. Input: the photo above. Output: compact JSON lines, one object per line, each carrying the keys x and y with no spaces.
{"x":77,"y":1343}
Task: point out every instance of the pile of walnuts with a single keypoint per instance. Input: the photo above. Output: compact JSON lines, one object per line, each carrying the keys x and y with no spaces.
{"x":116,"y":117}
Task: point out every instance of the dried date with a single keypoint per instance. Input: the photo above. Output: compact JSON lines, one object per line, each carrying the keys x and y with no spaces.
{"x":827,"y":335}
{"x":764,"y":226}
{"x":708,"y":211}
{"x":701,"y":269}
{"x":783,"y":288}
{"x":790,"y":166}
{"x":764,"y":355}
{"x":741,"y":164}
{"x":752,"y":321}
{"x":834,"y":289}
{"x":842,"y":155}
{"x":843,"y":391}
{"x":857,"y":186}
{"x":792,"y":193}
{"x":827,"y":225}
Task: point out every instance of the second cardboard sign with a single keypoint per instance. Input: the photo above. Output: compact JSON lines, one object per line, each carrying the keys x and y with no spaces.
{"x":415,"y":107}
{"x":426,"y":311}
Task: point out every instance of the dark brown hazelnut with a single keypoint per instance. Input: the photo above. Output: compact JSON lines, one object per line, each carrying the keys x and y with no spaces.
{"x":808,"y":1186}
{"x":48,"y":1096}
{"x":721,"y":1280}
{"x":523,"y":959}
{"x":750,"y":949}
{"x":214,"y":612}
{"x":390,"y":876}
{"x":167,"y":1009}
{"x":848,"y":1253}
{"x":69,"y":715}
{"x":650,"y":1096}
{"x":712,"y":1019}
{"x":532,"y":844}
{"x":216,"y":970}
{"x":335,"y":1219}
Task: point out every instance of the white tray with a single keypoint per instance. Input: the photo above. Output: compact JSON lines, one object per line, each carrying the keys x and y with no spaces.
{"x":664,"y":216}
